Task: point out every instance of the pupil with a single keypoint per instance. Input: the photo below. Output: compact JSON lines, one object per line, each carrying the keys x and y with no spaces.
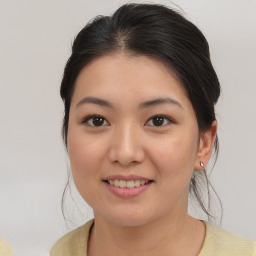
{"x":158,"y":121}
{"x":97,"y":121}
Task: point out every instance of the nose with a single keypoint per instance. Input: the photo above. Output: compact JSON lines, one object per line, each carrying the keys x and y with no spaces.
{"x":126,"y":146}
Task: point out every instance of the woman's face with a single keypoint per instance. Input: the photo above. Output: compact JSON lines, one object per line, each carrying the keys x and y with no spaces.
{"x":131,"y":123}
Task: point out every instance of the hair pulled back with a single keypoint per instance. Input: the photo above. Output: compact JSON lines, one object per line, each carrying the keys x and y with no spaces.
{"x":157,"y":31}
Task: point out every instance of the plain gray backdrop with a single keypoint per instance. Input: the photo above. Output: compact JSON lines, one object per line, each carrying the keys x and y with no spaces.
{"x":35,"y":42}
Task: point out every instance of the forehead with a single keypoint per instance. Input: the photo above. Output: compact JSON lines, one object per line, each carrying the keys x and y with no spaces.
{"x":122,"y":76}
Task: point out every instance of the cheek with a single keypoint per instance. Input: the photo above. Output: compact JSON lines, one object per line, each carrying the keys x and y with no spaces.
{"x":85,"y":156}
{"x":175,"y":156}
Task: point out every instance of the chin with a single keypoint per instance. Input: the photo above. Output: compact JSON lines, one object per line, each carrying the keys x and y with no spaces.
{"x":126,"y":218}
{"x":129,"y":222}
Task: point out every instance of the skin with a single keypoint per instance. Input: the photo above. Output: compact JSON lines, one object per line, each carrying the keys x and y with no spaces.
{"x":128,"y":143}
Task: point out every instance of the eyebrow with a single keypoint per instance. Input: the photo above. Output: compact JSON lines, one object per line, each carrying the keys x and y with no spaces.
{"x":145,"y":104}
{"x":159,"y":101}
{"x":96,"y":101}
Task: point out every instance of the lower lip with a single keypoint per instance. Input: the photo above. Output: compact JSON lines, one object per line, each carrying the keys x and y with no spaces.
{"x":127,"y":192}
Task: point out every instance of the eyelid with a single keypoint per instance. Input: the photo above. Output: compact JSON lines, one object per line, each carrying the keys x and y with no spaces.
{"x":163,"y":116}
{"x":87,"y":118}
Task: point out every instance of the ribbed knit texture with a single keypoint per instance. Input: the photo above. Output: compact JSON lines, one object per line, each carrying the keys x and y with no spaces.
{"x":218,"y":242}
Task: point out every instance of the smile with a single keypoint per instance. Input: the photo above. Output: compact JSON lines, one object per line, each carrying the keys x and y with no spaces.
{"x":127,"y":183}
{"x":127,"y":187}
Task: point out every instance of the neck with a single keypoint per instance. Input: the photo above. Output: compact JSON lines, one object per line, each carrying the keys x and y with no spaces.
{"x":171,"y":236}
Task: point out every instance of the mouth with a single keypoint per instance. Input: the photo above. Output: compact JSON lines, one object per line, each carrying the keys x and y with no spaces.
{"x":127,"y":183}
{"x":127,"y":186}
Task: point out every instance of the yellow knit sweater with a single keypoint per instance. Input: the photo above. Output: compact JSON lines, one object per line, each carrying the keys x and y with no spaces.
{"x":218,"y":242}
{"x":5,"y":248}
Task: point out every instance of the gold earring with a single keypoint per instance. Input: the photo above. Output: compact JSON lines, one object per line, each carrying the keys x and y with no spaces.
{"x":202,"y":164}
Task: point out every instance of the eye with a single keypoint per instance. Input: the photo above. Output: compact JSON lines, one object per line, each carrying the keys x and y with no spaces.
{"x":95,"y":121}
{"x":159,"y":121}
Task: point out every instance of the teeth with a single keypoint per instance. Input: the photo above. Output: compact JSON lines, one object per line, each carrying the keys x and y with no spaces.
{"x":130,"y":184}
{"x":122,"y":183}
{"x":127,"y":184}
{"x":136,"y":183}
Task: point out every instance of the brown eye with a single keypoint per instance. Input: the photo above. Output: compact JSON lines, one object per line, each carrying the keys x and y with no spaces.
{"x":158,"y":121}
{"x":95,"y":121}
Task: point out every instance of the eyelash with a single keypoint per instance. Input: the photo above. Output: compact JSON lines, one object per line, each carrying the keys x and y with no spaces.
{"x":166,"y":119}
{"x":89,"y":118}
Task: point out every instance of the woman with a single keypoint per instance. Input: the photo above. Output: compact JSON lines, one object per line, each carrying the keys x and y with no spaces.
{"x":139,"y":91}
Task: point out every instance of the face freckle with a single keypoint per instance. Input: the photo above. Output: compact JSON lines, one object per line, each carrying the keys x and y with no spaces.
{"x":149,"y":131}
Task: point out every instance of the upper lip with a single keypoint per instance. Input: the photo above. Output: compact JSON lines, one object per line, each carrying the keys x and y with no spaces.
{"x":128,"y":177}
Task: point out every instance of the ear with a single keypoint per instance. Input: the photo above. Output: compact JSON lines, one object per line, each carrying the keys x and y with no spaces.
{"x":205,"y":147}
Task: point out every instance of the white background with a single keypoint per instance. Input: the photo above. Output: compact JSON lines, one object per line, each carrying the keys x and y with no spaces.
{"x":35,"y":42}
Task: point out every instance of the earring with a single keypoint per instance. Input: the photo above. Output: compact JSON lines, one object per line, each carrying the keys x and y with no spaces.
{"x":202,"y":164}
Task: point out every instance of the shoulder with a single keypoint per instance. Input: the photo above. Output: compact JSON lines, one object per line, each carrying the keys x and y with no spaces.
{"x":5,"y":248}
{"x":73,"y":242}
{"x":221,"y":242}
